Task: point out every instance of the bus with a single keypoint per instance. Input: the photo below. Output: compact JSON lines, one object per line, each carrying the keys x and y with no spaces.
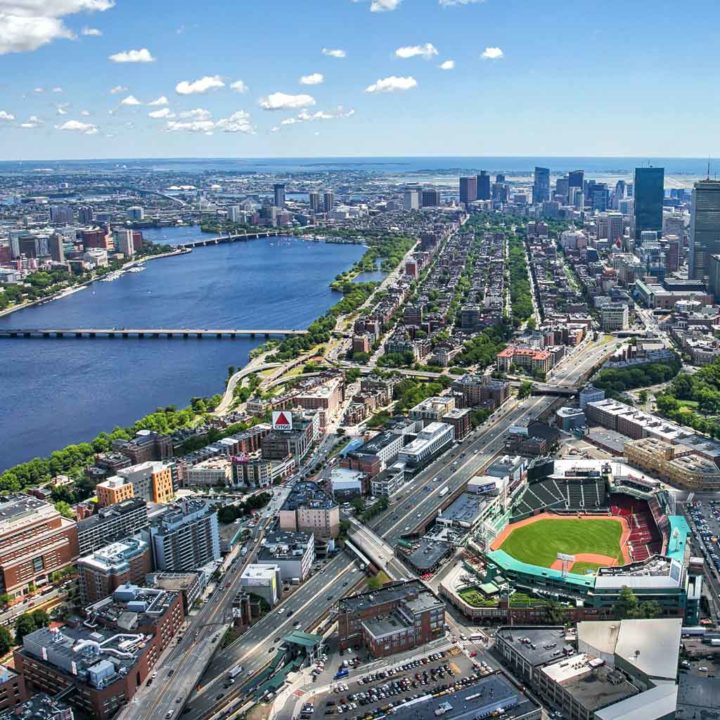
{"x":444,"y":491}
{"x":234,"y":672}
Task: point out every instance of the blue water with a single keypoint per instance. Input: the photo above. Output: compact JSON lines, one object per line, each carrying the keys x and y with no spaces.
{"x":57,"y":392}
{"x":174,"y":235}
{"x":514,"y":164}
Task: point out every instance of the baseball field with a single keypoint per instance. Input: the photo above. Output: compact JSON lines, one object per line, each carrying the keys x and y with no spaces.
{"x":594,"y":541}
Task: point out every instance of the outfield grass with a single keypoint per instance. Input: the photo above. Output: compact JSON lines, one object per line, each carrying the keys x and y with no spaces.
{"x":582,"y":567}
{"x":539,"y":543}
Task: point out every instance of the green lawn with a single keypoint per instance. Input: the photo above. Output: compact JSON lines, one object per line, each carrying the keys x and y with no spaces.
{"x":580,"y":568}
{"x":541,"y":541}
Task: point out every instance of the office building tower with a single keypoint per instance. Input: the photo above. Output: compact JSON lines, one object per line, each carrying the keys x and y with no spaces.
{"x":468,"y":189}
{"x":136,"y":213}
{"x":620,"y":189}
{"x":85,"y":214}
{"x":483,"y":186}
{"x":576,"y":179}
{"x":56,"y":245}
{"x":704,"y":227}
{"x":124,"y":242}
{"x":329,"y":200}
{"x":430,"y":198}
{"x":541,"y":185}
{"x":562,"y":188}
{"x":314,"y":200}
{"x":674,"y":225}
{"x":411,"y":199}
{"x":61,"y":214}
{"x":500,"y":178}
{"x":279,"y":195}
{"x":35,"y":541}
{"x":234,"y":214}
{"x":673,"y":245}
{"x":649,"y":192}
{"x":600,"y":197}
{"x":151,"y":480}
{"x":186,"y":537}
{"x":28,"y":246}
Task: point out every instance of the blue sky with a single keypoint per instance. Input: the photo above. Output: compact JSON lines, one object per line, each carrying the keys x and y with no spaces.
{"x":528,"y":77}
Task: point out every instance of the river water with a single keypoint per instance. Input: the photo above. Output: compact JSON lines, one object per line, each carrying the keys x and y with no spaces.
{"x":57,"y":392}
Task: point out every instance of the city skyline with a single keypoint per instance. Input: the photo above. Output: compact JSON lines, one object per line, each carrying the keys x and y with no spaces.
{"x":97,"y":78}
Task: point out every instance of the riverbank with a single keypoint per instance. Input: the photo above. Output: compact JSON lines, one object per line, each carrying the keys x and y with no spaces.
{"x":65,"y":291}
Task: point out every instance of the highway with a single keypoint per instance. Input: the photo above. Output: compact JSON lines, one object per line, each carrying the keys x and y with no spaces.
{"x":407,"y":511}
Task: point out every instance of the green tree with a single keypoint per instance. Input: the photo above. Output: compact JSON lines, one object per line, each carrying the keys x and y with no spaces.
{"x":24,"y":625}
{"x":64,"y":509}
{"x":6,"y":640}
{"x":627,"y":604}
{"x":525,"y":389}
{"x":40,"y":618}
{"x":374,"y":583}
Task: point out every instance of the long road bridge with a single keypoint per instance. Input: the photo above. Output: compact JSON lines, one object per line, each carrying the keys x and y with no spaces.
{"x":217,"y":333}
{"x":238,"y":237}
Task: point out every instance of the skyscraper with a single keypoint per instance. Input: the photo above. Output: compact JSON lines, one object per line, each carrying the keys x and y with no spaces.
{"x":314,"y":200}
{"x":704,"y":227}
{"x":279,"y":194}
{"x":483,"y":186}
{"x":411,"y":198}
{"x":649,"y":191}
{"x":329,"y":198}
{"x":468,"y":189}
{"x":430,"y":197}
{"x":576,"y":178}
{"x":57,"y":247}
{"x":541,"y":185}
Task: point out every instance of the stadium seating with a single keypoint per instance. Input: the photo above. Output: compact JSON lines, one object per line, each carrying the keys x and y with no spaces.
{"x":645,"y":537}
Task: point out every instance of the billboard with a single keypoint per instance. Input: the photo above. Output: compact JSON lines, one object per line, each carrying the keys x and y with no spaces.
{"x":281,"y":420}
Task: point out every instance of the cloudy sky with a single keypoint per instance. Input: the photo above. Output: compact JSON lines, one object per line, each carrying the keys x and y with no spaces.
{"x":301,"y":78}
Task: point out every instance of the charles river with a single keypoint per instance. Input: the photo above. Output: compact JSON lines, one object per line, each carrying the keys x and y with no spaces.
{"x":57,"y":392}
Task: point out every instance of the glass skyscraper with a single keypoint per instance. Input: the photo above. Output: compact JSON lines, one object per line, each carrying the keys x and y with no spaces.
{"x":541,"y":185}
{"x":649,"y":192}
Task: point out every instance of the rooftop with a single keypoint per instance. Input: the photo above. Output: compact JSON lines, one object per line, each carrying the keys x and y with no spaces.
{"x":308,"y":495}
{"x":394,"y":592}
{"x":592,"y":684}
{"x":465,"y":509}
{"x":537,"y":645}
{"x":428,"y":554}
{"x":478,"y":700}
{"x":115,"y":557}
{"x":39,"y":707}
{"x":130,"y":607}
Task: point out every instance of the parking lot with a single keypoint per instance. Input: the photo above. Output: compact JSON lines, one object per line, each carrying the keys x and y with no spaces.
{"x":374,"y":693}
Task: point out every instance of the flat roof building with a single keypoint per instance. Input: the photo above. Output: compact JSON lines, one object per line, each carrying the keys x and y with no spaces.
{"x":112,"y":523}
{"x":292,"y":552}
{"x":35,"y":541}
{"x":308,"y":508}
{"x":397,"y":617}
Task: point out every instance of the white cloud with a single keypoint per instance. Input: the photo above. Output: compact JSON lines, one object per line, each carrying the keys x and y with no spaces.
{"x":6,"y":116}
{"x":239,"y":86}
{"x":39,"y":90}
{"x":334,"y":53}
{"x":133,"y":56}
{"x":162,"y":100}
{"x":492,"y":53}
{"x":190,"y":126}
{"x":62,"y":108}
{"x":57,"y":89}
{"x":26,"y":25}
{"x":32,"y":122}
{"x":205,"y":83}
{"x":78,"y":126}
{"x":312,"y":79}
{"x":384,"y":5}
{"x":283,"y":101}
{"x":447,"y":65}
{"x":130,"y":100}
{"x":237,"y":122}
{"x":91,"y":32}
{"x":85,"y":113}
{"x":162,"y":113}
{"x":307,"y":116}
{"x":196,"y":114}
{"x":392,"y":84}
{"x":456,"y":3}
{"x":118,"y":89}
{"x":426,"y":51}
